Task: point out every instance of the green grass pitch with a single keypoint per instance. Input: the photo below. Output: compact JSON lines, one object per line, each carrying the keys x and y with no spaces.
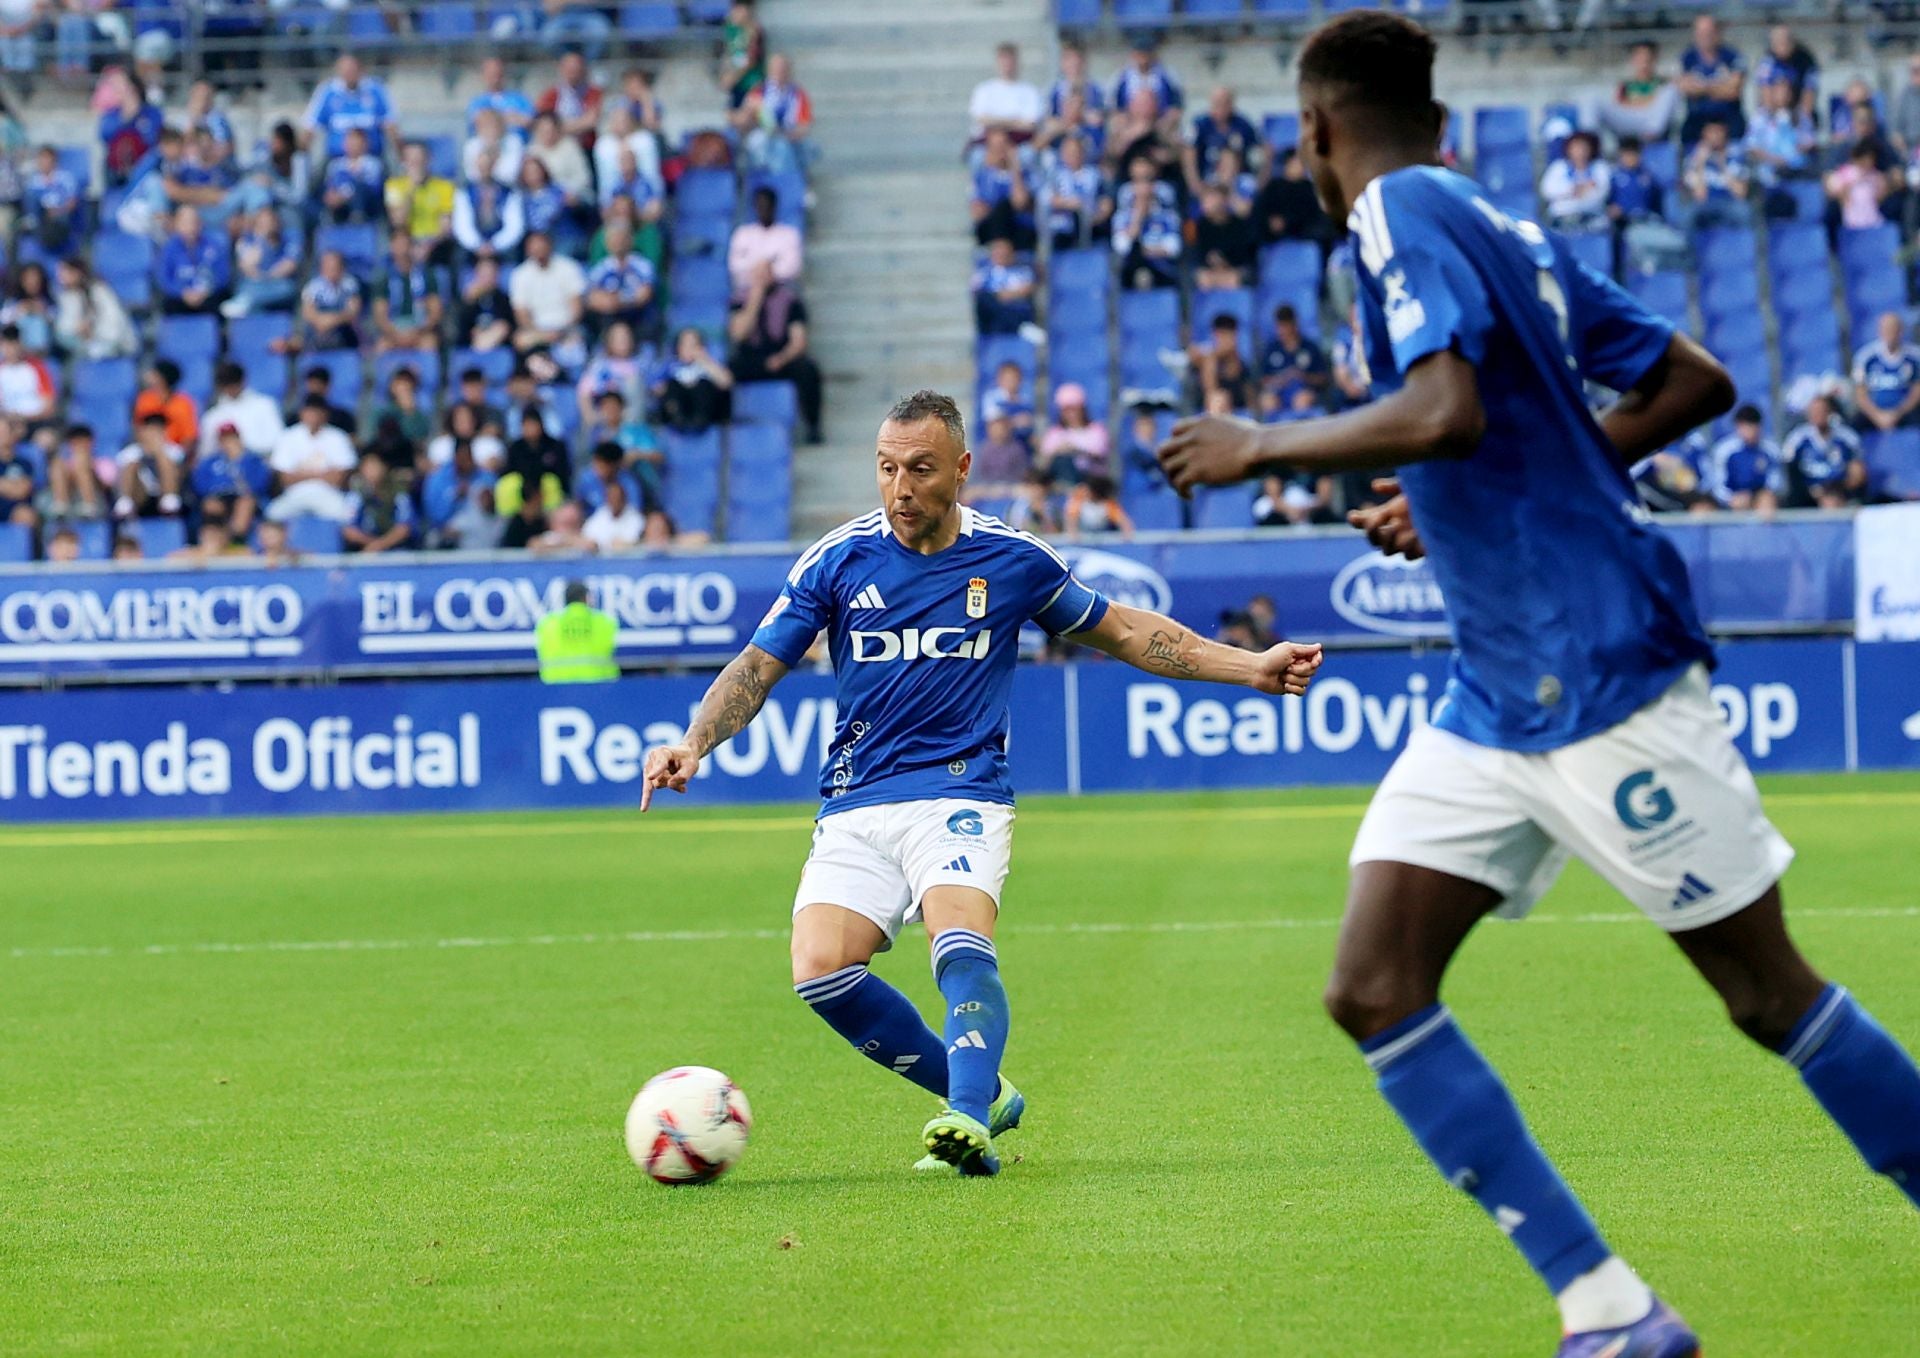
{"x":357,"y":1088}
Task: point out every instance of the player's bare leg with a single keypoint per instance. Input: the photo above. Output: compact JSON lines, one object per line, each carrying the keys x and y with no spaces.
{"x":1863,"y":1079}
{"x":832,"y":947}
{"x":960,"y":922}
{"x":1403,"y":925}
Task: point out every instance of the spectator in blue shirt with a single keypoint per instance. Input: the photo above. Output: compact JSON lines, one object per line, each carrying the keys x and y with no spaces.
{"x":1002,"y":203}
{"x":544,"y":203}
{"x":1006,"y":399}
{"x":409,"y":296}
{"x":203,"y":113}
{"x":1291,"y":361}
{"x":1146,"y":228}
{"x":193,"y":267}
{"x":266,"y":267}
{"x":380,"y":515}
{"x":1712,"y":77}
{"x":1788,"y":59}
{"x":330,"y":305}
{"x":355,"y":186}
{"x":230,"y":481}
{"x":1220,"y":128}
{"x":605,"y":465}
{"x":1002,"y":292}
{"x":1716,"y":181}
{"x":1076,"y":106}
{"x":620,"y":287}
{"x":514,"y":108}
{"x":1886,"y":377}
{"x":1143,"y":71}
{"x":1636,"y":206}
{"x":457,"y":501}
{"x":52,"y":202}
{"x":1825,"y":457}
{"x":1745,"y":468}
{"x":1075,"y":198}
{"x":489,"y":220}
{"x":130,"y":127}
{"x":351,"y":99}
{"x":1780,"y":140}
{"x":16,"y":483}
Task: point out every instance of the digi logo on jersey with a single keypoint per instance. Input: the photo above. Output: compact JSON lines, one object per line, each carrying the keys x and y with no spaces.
{"x":919,"y":643}
{"x":1390,"y":594}
{"x":1641,"y":803}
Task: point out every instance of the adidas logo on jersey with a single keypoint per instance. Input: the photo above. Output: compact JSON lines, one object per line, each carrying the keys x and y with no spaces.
{"x":868,"y":598}
{"x":918,"y":643}
{"x":960,"y":864}
{"x":970,"y":1038}
{"x":1692,"y":889}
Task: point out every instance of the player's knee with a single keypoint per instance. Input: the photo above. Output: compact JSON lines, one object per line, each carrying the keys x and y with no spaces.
{"x":1366,"y":1003}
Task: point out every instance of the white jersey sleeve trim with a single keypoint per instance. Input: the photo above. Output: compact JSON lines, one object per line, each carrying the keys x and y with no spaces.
{"x":864,"y":526}
{"x":986,"y":523}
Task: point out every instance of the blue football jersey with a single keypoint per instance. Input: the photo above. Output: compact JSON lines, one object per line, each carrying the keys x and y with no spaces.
{"x":1569,"y":608}
{"x":923,"y":651}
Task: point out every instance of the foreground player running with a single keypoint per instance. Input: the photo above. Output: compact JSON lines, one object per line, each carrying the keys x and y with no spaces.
{"x":922,"y":601}
{"x":1577,"y":718}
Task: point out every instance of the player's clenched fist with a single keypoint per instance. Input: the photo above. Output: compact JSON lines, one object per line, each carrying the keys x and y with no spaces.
{"x":1288,"y":667}
{"x":667,"y":766}
{"x":1212,"y":450}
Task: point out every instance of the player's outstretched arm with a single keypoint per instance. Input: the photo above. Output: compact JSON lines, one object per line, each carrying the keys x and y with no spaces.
{"x":1437,"y":414}
{"x":1159,"y":645}
{"x":1683,"y":390}
{"x":733,"y":700}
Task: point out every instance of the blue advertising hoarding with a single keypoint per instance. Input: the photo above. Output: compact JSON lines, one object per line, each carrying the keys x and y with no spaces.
{"x":413,"y":615}
{"x":504,"y":744}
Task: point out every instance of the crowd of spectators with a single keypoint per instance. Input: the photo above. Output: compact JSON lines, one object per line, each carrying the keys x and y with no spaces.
{"x":505,"y":288}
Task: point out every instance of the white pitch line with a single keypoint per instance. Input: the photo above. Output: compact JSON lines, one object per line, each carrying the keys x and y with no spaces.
{"x":769,"y":935}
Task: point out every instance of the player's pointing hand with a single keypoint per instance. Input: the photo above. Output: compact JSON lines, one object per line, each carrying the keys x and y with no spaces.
{"x":1209,"y":450}
{"x":667,"y":766}
{"x":1288,"y":667}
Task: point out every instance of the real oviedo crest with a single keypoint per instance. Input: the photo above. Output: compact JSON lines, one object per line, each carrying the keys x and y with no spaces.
{"x":976,"y":597}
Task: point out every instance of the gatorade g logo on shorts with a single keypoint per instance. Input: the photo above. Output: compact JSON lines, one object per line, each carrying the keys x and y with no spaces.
{"x":966,"y":822}
{"x":1641,"y":803}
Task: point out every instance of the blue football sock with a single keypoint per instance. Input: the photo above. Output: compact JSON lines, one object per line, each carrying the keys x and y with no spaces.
{"x":968,"y":973}
{"x":881,"y":1022}
{"x":1866,"y":1082}
{"x":1465,"y":1120}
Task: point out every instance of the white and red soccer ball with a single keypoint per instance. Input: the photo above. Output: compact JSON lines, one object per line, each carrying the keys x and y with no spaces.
{"x":688,"y":1125}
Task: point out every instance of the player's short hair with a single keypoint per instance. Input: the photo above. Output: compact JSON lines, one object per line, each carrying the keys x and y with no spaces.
{"x":1377,"y":59}
{"x":931,"y":405}
{"x":1747,"y":414}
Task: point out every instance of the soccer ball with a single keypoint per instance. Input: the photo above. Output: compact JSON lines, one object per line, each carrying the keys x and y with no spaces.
{"x":688,"y":1125}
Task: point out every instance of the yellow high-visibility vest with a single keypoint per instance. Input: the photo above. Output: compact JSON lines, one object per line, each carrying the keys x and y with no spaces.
{"x":576,"y":646}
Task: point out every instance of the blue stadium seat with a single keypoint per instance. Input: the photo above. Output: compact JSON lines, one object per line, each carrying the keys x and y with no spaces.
{"x":160,"y":537}
{"x":448,"y":21}
{"x":1798,"y":247}
{"x":1500,"y":127}
{"x":367,"y":26}
{"x":497,"y":364}
{"x":1593,"y":249}
{"x":247,"y":341}
{"x":1154,"y":313}
{"x":1662,"y":159}
{"x":1140,"y":365}
{"x":188,"y":339}
{"x":1506,"y":173}
{"x":759,"y":483}
{"x":1728,"y":249}
{"x":692,"y":479}
{"x":1893,"y":462}
{"x":1868,"y":250}
{"x":426,"y":366}
{"x":1732,"y":294}
{"x":443,"y":155}
{"x":1810,"y":348}
{"x":1736,"y":338}
{"x":1664,"y":294}
{"x":705,"y":193}
{"x":1071,"y":13}
{"x":1290,"y":263}
{"x":993,"y":350}
{"x":1223,"y":507}
{"x":1080,"y":271}
{"x":96,"y":539}
{"x":1808,"y":197}
{"x":345,"y":370}
{"x":700,"y":279}
{"x":1752,"y":378}
{"x":766,"y":403}
{"x":110,"y":418}
{"x":1234,"y":302}
{"x":317,"y":537}
{"x":789,"y":196}
{"x":1803,"y":291}
{"x":649,"y":20}
{"x":1281,"y":130}
{"x":1870,"y":293}
{"x":16,"y":543}
{"x":1214,"y":9}
{"x":1155,"y":509}
{"x":358,"y":244}
{"x":1143,"y":11}
{"x":1076,"y":316}
{"x":116,"y":379}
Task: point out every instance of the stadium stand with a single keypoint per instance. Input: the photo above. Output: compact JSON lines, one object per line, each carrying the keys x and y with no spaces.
{"x":1775,"y":231}
{"x":266,"y":123}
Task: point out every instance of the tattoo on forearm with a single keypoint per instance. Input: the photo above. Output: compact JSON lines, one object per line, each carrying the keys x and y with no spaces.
{"x":730,"y":705}
{"x":1173,"y":652}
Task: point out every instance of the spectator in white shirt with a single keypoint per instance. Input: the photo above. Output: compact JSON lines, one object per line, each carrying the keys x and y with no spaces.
{"x":311,"y":463}
{"x":623,"y":133}
{"x":566,"y":163}
{"x":491,"y":134}
{"x":618,"y":525}
{"x":488,"y":217}
{"x":549,"y":295}
{"x":255,"y":415}
{"x":1006,"y":101}
{"x":763,"y":241}
{"x":1577,"y":185}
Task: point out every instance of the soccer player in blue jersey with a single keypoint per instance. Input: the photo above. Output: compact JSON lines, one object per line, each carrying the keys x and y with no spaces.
{"x":1577,"y":718}
{"x":922,"y":601}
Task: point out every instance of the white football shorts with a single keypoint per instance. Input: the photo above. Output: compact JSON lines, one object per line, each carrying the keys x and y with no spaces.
{"x":1662,"y":806}
{"x":880,"y":861}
